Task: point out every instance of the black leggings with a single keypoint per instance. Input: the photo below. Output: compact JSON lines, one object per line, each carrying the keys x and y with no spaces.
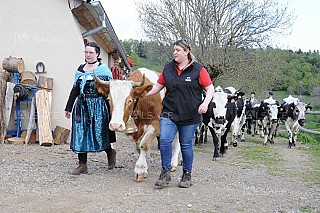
{"x":83,"y":157}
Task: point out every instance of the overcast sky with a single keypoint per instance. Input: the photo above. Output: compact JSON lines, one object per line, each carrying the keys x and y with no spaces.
{"x":305,"y":32}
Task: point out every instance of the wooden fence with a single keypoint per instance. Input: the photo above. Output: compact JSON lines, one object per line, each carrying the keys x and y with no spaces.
{"x":309,"y":130}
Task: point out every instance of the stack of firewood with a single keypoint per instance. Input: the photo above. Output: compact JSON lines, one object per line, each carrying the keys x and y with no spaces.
{"x":41,"y":104}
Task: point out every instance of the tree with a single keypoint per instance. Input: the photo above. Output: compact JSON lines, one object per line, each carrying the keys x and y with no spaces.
{"x":134,"y":56}
{"x":301,"y":88}
{"x":315,"y":92}
{"x":131,"y":46}
{"x":290,"y":90}
{"x":157,"y":52}
{"x":220,"y":31}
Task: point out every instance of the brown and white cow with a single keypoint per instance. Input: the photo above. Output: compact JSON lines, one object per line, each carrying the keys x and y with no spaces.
{"x":127,"y":98}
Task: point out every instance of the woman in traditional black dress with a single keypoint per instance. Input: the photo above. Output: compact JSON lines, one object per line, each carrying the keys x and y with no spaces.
{"x":90,"y":111}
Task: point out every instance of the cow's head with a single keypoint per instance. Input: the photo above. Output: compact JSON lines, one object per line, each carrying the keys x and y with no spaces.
{"x":263,"y":109}
{"x":122,"y":96}
{"x":273,"y":110}
{"x":299,"y":109}
{"x":219,"y":102}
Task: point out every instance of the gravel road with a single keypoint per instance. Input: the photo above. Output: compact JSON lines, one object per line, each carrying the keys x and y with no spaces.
{"x":37,"y":179}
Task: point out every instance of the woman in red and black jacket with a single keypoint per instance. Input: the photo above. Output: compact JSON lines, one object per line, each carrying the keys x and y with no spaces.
{"x":184,"y":79}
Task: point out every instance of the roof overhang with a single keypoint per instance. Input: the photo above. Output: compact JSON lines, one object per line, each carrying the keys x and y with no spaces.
{"x":93,"y":18}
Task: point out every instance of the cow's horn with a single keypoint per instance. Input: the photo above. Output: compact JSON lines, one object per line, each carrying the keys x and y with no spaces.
{"x":139,"y":84}
{"x":99,"y":80}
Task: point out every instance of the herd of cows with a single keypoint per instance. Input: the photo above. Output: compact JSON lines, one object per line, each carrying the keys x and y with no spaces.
{"x":231,"y":111}
{"x":228,"y":111}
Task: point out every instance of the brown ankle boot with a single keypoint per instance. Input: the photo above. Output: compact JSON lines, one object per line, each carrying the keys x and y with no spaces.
{"x":111,"y":158}
{"x":81,"y":169}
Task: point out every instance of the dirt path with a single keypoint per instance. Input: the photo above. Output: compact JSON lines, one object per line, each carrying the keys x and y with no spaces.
{"x":37,"y":179}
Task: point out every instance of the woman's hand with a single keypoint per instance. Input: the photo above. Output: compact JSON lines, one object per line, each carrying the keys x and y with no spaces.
{"x":67,"y":114}
{"x":203,"y":108}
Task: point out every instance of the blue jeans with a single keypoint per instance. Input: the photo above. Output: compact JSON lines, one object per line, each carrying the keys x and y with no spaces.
{"x":168,"y":131}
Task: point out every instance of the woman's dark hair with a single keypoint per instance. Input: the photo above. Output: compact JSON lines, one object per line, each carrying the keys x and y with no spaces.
{"x":96,"y":47}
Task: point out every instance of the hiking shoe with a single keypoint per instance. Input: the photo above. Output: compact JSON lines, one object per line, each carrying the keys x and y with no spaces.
{"x":81,"y":169}
{"x":164,"y":179}
{"x":111,"y":155}
{"x":185,"y":181}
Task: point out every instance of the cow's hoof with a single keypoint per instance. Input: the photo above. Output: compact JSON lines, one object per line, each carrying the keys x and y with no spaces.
{"x":235,"y":144}
{"x":173,"y":168}
{"x":216,"y":156}
{"x":140,"y":177}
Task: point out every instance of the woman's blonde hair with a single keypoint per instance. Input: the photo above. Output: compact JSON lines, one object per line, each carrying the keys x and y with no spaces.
{"x":182,"y":43}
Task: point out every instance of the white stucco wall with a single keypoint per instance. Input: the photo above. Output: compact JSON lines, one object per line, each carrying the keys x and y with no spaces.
{"x":44,"y":31}
{"x":103,"y":55}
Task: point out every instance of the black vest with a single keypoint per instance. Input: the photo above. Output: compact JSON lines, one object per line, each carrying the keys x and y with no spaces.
{"x":183,"y":95}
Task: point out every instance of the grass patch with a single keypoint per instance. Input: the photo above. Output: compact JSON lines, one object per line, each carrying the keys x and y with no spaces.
{"x":261,"y":156}
{"x":313,"y":150}
{"x":255,"y":140}
{"x":306,"y":209}
{"x":204,"y":148}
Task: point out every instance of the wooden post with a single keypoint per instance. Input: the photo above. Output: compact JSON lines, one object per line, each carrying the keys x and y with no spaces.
{"x":8,"y":102}
{"x":43,"y":102}
{"x":4,"y":77}
{"x":31,"y":123}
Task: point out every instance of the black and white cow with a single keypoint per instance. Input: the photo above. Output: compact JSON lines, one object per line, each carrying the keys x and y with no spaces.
{"x":219,"y":116}
{"x":268,"y":119}
{"x":293,"y":112}
{"x":240,"y":119}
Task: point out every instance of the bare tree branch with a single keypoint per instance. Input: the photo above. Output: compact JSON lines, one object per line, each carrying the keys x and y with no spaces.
{"x":225,"y":35}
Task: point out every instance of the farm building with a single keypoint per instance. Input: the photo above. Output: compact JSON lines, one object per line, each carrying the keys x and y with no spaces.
{"x":49,"y":37}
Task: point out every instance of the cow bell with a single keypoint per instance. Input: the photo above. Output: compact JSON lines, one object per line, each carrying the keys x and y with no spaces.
{"x":131,"y":126}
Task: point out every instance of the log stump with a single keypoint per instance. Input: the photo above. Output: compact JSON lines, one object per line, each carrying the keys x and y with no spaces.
{"x":60,"y":135}
{"x":32,"y":138}
{"x":15,"y":141}
{"x":28,"y":78}
{"x":45,"y":82}
{"x":13,"y":64}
